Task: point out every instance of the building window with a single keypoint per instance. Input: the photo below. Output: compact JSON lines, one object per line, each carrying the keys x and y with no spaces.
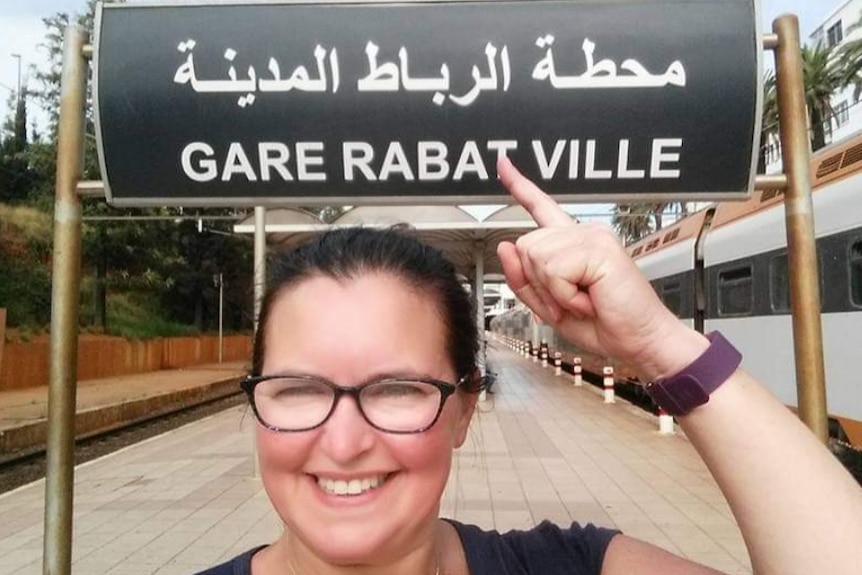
{"x":834,"y":34}
{"x":842,"y":114}
{"x":855,"y":263}
{"x":735,"y":291}
{"x":779,"y":284}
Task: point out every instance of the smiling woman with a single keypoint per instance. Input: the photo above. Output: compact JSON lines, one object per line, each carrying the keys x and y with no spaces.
{"x":364,"y":381}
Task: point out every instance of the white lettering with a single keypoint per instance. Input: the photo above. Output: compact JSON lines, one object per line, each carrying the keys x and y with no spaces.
{"x":432,"y":155}
{"x":659,"y":156}
{"x":623,"y":170}
{"x":470,"y":160}
{"x":502,"y":147}
{"x":574,"y":156}
{"x":237,"y":162}
{"x":358,"y":155}
{"x":273,"y":155}
{"x":590,"y":164}
{"x":206,"y":170}
{"x":548,"y":168}
{"x":304,"y":160}
{"x":396,"y":161}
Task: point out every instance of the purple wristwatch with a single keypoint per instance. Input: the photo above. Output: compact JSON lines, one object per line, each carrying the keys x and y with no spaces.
{"x":682,"y":392}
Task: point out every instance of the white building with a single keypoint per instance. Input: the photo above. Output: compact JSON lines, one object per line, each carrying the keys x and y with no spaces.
{"x":837,"y":29}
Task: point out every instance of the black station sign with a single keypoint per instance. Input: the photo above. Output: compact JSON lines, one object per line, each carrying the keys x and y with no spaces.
{"x":359,"y":103}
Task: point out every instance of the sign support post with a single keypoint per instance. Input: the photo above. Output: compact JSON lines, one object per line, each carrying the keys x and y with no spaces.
{"x":66,"y":278}
{"x":799,"y":217}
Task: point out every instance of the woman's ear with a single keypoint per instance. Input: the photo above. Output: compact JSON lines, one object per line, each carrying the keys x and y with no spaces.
{"x":467,"y":405}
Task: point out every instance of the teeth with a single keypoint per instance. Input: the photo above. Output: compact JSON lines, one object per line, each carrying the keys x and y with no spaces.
{"x":352,"y":487}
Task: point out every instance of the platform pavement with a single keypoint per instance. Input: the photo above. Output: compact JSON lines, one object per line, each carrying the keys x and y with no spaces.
{"x":101,"y":403}
{"x":538,"y":448}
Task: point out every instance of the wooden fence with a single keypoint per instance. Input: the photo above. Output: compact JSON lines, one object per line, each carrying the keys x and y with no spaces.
{"x":25,"y":364}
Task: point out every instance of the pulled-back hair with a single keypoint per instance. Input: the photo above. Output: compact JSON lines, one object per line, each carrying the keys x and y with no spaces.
{"x":349,"y":253}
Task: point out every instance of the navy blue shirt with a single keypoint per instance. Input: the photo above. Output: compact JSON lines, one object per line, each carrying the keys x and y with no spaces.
{"x":543,"y":550}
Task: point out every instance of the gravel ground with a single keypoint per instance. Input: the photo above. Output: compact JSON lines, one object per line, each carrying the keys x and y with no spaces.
{"x":15,"y":474}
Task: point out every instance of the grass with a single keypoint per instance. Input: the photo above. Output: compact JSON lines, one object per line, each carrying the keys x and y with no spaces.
{"x":136,"y":317}
{"x":28,"y":223}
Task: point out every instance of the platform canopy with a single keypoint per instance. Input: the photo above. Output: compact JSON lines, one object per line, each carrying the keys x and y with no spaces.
{"x":451,"y":229}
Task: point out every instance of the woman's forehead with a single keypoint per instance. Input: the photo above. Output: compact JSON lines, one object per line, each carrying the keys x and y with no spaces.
{"x":366,"y":312}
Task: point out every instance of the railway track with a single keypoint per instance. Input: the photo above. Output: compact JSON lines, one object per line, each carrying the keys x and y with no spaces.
{"x":26,"y":466}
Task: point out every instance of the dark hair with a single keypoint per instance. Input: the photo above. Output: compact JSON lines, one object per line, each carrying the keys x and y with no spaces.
{"x":351,"y":252}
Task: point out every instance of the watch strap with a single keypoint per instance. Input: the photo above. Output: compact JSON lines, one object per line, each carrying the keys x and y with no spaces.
{"x":692,"y":386}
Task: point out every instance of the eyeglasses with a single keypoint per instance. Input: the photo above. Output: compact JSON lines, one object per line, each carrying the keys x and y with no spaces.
{"x":302,"y":403}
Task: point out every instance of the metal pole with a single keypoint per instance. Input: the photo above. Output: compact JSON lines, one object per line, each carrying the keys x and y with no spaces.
{"x":220,"y":318}
{"x":259,"y":259}
{"x":259,"y":288}
{"x":59,"y":483}
{"x":799,"y":218}
{"x":479,"y":262}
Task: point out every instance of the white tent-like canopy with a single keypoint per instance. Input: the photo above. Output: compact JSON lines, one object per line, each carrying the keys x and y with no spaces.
{"x":469,"y":243}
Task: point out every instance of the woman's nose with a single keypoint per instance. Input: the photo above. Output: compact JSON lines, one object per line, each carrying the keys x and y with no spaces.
{"x":346,"y":434}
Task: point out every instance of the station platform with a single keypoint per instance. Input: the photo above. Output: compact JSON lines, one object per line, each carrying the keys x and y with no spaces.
{"x":103,"y":404}
{"x":539,"y":448}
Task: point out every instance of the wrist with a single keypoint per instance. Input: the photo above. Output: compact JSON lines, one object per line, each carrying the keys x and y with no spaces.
{"x":691,"y":386}
{"x":672,"y":354}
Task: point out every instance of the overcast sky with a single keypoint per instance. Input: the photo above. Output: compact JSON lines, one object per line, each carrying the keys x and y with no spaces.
{"x":21,"y":32}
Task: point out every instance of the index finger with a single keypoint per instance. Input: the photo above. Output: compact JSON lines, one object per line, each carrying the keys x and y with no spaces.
{"x":544,"y":210}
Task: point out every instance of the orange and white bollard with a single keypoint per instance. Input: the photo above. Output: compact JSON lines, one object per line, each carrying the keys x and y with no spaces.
{"x":544,"y":353}
{"x":535,"y":352}
{"x":665,"y":423}
{"x":558,"y":363}
{"x":576,"y":370}
{"x":608,"y":383}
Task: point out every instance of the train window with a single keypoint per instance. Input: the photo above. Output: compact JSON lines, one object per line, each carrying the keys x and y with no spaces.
{"x":735,"y":291}
{"x":671,"y":295}
{"x":779,"y":284}
{"x":855,"y":261}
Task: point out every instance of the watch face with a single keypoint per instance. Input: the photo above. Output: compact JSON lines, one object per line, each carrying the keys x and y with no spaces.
{"x":679,"y":394}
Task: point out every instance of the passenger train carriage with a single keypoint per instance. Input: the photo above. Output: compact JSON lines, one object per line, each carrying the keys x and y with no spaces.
{"x":725,"y":268}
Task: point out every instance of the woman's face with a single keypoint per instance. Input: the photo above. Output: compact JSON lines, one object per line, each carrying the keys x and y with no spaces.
{"x":350,"y":332}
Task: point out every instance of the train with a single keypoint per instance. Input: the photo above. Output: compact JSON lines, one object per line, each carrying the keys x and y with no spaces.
{"x":725,"y":268}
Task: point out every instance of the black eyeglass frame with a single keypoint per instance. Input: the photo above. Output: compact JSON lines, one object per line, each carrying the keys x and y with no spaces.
{"x":249,"y":383}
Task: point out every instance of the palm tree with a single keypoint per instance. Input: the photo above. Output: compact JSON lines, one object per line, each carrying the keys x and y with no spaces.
{"x":632,"y":221}
{"x":822,"y":75}
{"x":850,"y":55}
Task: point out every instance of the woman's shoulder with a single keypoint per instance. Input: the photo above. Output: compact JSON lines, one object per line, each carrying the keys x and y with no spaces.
{"x":546,"y":548}
{"x":239,"y":565}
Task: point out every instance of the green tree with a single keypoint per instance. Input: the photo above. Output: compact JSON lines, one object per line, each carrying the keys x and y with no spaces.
{"x":16,"y":177}
{"x":850,"y":56}
{"x":632,"y":221}
{"x":823,"y":75}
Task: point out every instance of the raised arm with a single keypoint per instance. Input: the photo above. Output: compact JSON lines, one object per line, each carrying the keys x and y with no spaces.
{"x":799,"y":510}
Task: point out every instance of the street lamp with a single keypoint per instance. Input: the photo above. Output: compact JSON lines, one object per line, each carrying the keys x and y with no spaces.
{"x":218,"y":280}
